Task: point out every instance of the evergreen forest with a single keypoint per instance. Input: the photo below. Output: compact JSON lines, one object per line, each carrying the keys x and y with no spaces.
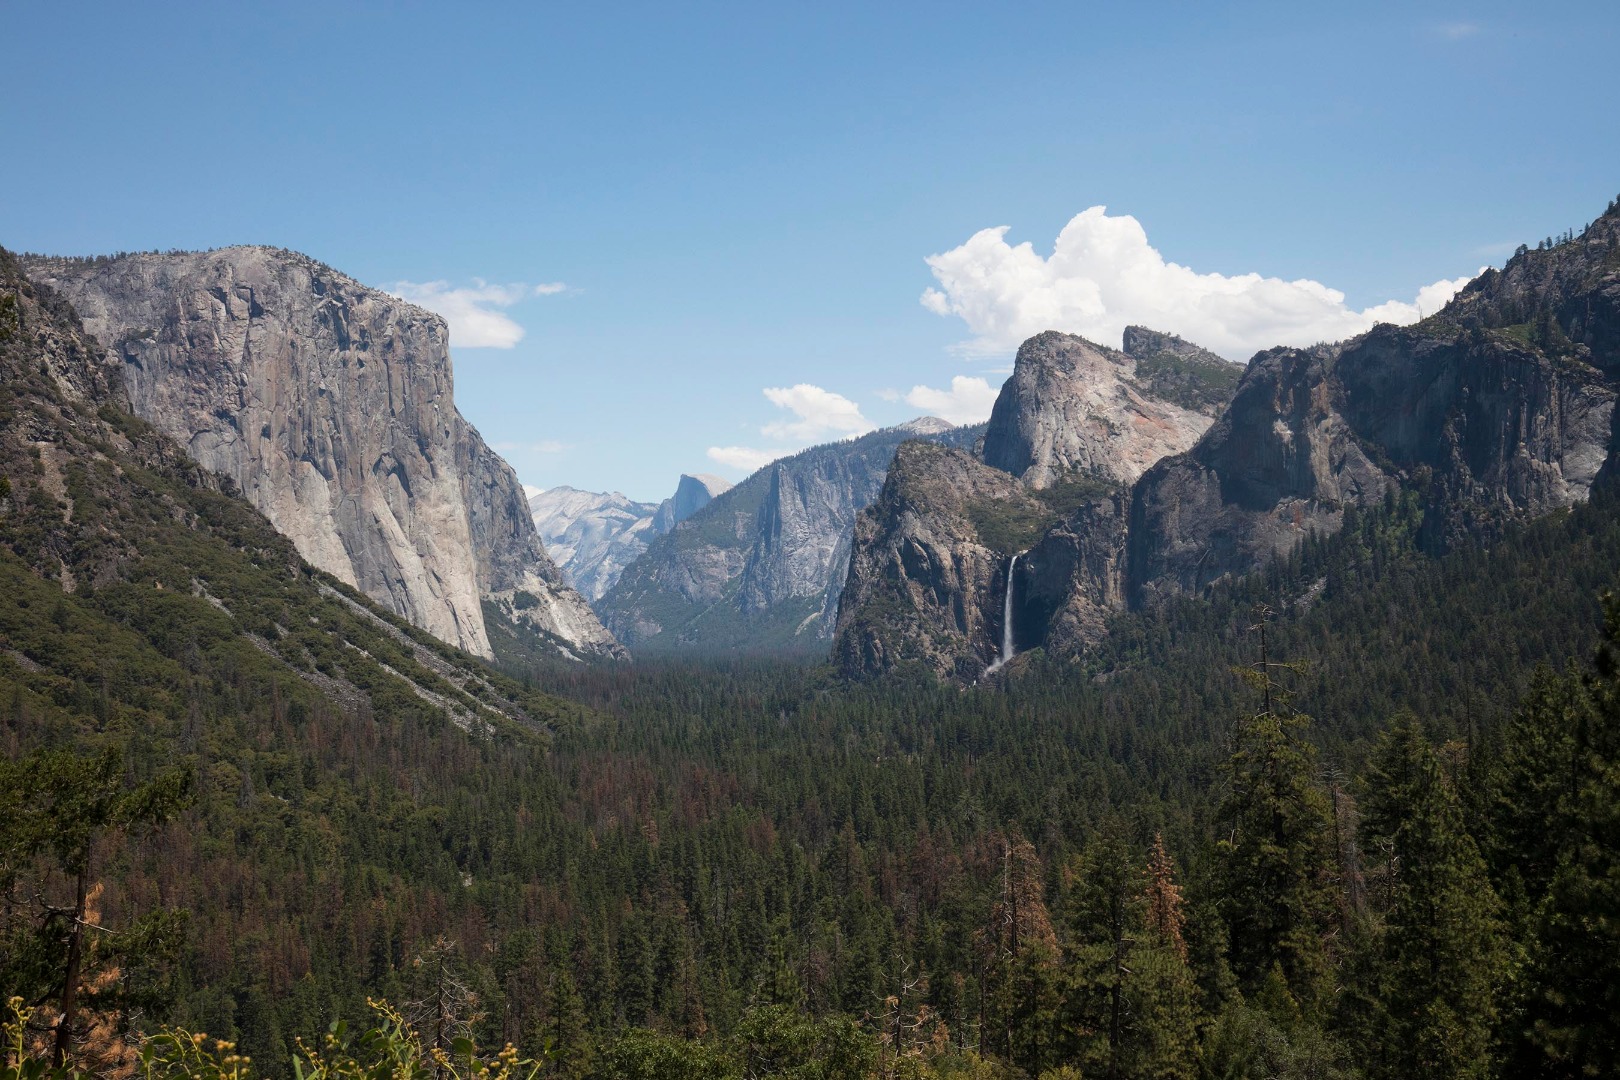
{"x":1355,"y":816}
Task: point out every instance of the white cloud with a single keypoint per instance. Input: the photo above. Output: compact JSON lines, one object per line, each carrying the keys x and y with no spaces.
{"x":473,"y":311}
{"x":817,"y":413}
{"x":818,"y":416}
{"x":1456,"y":31}
{"x":745,"y":458}
{"x":1103,"y":275}
{"x":530,"y":491}
{"x":968,"y":401}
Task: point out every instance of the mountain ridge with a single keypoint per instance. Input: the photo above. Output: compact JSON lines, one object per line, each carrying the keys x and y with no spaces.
{"x":759,"y":569}
{"x":1496,"y":410}
{"x":592,"y":536}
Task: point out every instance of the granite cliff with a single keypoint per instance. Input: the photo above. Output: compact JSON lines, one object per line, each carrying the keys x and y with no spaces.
{"x":1045,"y":504}
{"x":1496,"y":410}
{"x":760,"y":567}
{"x":168,"y":591}
{"x":592,"y":536}
{"x":1074,"y":406}
{"x":330,"y":405}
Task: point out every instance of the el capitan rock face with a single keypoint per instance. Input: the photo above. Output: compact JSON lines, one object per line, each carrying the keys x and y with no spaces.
{"x":330,"y":405}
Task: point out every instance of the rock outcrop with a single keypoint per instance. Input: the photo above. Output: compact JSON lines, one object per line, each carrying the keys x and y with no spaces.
{"x":1072,"y":428}
{"x":1492,"y":431}
{"x":928,"y":576}
{"x":692,"y":493}
{"x":330,"y":405}
{"x":592,"y":536}
{"x":151,"y":567}
{"x":1074,"y":406}
{"x":760,"y":568}
{"x":1177,"y":371}
{"x":1496,"y":410}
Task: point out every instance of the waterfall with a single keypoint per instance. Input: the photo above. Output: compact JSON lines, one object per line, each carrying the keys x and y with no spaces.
{"x":1007,"y":649}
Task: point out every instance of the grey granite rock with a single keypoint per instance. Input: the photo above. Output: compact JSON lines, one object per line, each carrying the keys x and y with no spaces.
{"x":1496,"y":410}
{"x":330,"y":404}
{"x":593,"y":536}
{"x":760,"y":568}
{"x":1074,"y":406}
{"x":926,"y":586}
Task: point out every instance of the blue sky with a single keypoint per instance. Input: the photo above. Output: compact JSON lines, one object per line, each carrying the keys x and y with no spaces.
{"x":727,"y":199}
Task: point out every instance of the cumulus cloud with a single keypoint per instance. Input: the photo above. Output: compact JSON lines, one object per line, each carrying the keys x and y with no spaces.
{"x":818,"y":415}
{"x":968,"y":401}
{"x":474,"y":311}
{"x":745,"y":458}
{"x":1103,"y":275}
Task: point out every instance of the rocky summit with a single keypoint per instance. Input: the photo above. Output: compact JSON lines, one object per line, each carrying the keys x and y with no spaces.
{"x":760,"y":568}
{"x":592,"y":536}
{"x":1041,"y":510}
{"x":330,"y":405}
{"x":1496,"y":410}
{"x":1075,"y":406}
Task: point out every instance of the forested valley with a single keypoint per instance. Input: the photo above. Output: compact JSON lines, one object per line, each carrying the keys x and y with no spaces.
{"x":1352,"y":816}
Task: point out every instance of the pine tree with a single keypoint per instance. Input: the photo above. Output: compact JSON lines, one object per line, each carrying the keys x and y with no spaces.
{"x":1437,"y":954}
{"x":1164,"y":900}
{"x":1278,"y":863}
{"x":63,"y":807}
{"x":567,"y":1036}
{"x":1128,"y":1002}
{"x":1018,"y":954}
{"x":1570,"y":1019}
{"x":1530,"y":788}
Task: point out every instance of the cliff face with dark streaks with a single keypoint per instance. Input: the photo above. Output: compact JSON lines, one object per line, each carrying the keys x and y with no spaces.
{"x":330,"y":404}
{"x":1072,"y":428}
{"x":929,"y":572}
{"x":1496,"y":410}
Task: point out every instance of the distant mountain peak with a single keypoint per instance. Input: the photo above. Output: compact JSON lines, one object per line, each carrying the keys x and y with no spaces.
{"x":924,"y":425}
{"x":593,"y":536}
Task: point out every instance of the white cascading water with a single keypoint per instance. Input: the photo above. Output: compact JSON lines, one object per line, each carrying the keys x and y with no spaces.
{"x":1006,"y":621}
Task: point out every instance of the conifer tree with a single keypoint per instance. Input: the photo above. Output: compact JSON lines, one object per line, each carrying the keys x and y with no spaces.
{"x":1018,"y":954}
{"x":1437,"y":956}
{"x":1278,"y":879}
{"x":1128,"y":1004}
{"x":1164,"y":899}
{"x":62,"y":806}
{"x":1569,"y":1023}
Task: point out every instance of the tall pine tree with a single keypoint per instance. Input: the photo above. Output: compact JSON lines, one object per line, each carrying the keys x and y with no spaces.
{"x":1428,"y":997}
{"x":1569,"y":1024}
{"x":1278,"y":859}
